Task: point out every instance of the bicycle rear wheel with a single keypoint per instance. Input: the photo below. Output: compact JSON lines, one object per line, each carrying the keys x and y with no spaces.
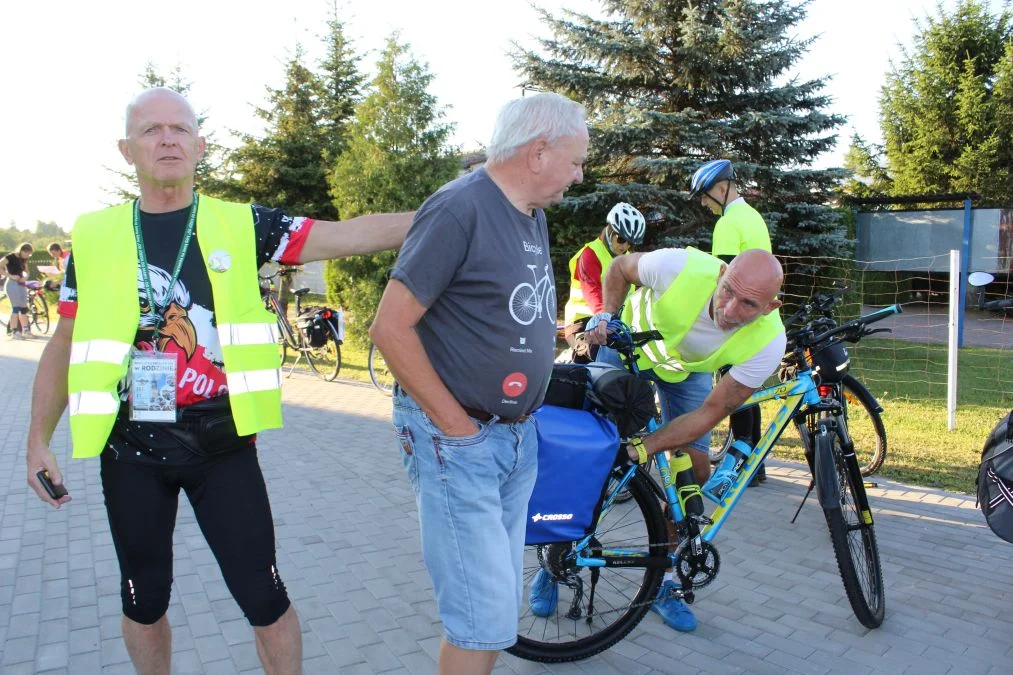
{"x":326,"y":361}
{"x":39,"y":312}
{"x":622,"y":595}
{"x":379,"y":373}
{"x":865,"y":426}
{"x":853,"y":536}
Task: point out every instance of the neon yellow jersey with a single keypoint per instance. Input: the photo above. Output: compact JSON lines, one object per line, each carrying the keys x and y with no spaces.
{"x":741,"y":228}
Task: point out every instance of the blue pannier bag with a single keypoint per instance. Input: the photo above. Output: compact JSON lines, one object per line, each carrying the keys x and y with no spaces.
{"x":576,"y":452}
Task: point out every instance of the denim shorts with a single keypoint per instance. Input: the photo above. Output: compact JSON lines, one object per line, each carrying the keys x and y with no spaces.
{"x":472,"y":496}
{"x":678,"y":398}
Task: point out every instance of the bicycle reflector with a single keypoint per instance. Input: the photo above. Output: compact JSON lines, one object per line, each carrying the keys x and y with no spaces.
{"x":830,"y":360}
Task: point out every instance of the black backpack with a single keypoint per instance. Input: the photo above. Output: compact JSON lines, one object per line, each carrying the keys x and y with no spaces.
{"x":995,"y":479}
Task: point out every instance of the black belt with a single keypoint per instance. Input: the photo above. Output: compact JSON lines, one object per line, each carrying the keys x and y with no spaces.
{"x":483,"y":416}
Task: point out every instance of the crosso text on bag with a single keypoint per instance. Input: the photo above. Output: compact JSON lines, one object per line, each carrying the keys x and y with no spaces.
{"x":576,"y":451}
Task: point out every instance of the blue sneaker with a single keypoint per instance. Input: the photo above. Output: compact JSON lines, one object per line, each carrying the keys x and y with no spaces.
{"x":673,"y":611}
{"x":544,"y":595}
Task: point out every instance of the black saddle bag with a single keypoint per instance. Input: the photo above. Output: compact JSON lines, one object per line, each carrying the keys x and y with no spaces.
{"x":995,"y":479}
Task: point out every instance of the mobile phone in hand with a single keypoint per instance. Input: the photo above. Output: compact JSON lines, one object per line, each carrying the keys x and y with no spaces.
{"x":55,"y":491}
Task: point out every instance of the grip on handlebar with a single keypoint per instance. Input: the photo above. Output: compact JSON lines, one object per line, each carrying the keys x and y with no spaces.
{"x":882,"y":314}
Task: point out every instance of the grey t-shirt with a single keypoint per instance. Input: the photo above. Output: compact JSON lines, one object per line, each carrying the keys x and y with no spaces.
{"x":482,"y":270}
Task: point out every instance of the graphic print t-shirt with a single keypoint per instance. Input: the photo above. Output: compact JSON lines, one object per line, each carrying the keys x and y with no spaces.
{"x":189,"y":330}
{"x":482,"y":270}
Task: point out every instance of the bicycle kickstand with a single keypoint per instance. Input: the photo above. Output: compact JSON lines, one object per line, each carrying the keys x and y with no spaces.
{"x":812,"y":484}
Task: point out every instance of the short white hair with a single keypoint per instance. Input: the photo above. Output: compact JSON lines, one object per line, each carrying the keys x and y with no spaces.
{"x":547,"y":116}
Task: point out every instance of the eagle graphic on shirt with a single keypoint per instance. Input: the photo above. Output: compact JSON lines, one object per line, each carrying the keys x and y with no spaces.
{"x":188,"y":330}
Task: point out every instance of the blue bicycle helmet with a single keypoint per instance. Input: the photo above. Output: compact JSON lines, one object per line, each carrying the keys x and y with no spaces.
{"x":710,"y":173}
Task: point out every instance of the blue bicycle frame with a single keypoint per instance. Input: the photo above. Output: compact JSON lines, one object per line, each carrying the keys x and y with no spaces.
{"x":795,"y":393}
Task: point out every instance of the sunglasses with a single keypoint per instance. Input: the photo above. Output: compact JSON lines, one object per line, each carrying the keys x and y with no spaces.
{"x":623,"y":240}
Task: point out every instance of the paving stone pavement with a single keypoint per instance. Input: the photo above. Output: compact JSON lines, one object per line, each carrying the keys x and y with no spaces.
{"x":348,"y":551}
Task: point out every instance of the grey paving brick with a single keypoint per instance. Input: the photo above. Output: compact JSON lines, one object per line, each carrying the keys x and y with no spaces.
{"x":52,"y":656}
{"x":18,"y":650}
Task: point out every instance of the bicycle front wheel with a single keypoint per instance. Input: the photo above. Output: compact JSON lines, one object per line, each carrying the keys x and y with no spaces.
{"x":575,"y":628}
{"x":865,"y":426}
{"x":39,"y":310}
{"x":326,"y":361}
{"x":853,"y":536}
{"x":379,"y":373}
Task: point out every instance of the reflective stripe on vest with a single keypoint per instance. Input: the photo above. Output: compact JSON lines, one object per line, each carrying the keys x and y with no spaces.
{"x":105,"y":258}
{"x":93,"y":403}
{"x":576,"y":306}
{"x":244,"y":382}
{"x":247,"y":334}
{"x":100,"y":350}
{"x":675,"y":312}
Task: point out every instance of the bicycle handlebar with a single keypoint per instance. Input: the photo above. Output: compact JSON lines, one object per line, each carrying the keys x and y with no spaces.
{"x":1004,"y":303}
{"x":859,"y":323}
{"x":282,"y":272}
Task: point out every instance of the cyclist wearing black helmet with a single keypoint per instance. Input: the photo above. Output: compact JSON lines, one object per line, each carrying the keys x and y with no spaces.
{"x":625,"y":227}
{"x":739,"y":229}
{"x":740,"y":226}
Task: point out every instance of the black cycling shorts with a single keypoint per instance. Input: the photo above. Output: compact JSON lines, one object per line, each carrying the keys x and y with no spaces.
{"x":230,"y":502}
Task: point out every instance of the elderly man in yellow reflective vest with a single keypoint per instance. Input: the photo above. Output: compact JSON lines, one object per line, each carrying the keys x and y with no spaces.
{"x":710,"y":314}
{"x":169,"y":365}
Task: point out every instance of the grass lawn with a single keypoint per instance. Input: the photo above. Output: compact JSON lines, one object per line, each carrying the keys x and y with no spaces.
{"x":909,"y":379}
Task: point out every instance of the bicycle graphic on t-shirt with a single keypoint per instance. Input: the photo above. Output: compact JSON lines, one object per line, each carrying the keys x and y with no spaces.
{"x":527,"y":301}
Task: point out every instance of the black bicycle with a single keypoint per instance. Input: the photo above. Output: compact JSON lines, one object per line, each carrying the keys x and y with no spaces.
{"x":860,"y":408}
{"x":316,"y":336}
{"x":38,"y":308}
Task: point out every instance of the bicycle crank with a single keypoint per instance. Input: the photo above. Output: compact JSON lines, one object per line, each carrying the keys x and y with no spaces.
{"x":698,"y":564}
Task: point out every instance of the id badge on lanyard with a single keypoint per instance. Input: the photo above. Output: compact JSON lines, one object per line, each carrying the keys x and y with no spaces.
{"x":152,"y":387}
{"x":153,"y":373}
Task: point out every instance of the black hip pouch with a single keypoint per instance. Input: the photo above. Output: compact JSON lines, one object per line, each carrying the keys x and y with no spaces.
{"x":206,"y":429}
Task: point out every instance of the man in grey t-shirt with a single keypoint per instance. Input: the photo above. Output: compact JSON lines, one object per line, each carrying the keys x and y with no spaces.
{"x":467,"y":326}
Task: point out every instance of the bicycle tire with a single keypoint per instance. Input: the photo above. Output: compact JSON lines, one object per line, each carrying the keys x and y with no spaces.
{"x":527,"y":303}
{"x":378,"y":371}
{"x":863,"y":423}
{"x":322,"y":365}
{"x":36,"y":312}
{"x":854,"y":541}
{"x":643,"y":516}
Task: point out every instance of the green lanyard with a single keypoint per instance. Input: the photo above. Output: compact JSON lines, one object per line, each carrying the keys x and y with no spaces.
{"x":142,"y":260}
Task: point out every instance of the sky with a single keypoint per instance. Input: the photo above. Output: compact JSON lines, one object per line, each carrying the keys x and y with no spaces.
{"x":70,"y":68}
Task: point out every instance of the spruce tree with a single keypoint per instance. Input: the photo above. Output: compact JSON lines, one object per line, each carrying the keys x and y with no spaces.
{"x":946,"y":109}
{"x":397,"y":155}
{"x":670,"y":85}
{"x":285,"y":168}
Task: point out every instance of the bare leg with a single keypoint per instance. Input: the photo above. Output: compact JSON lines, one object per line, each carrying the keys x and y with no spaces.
{"x":279,"y":645}
{"x":149,"y":646}
{"x":457,"y":661}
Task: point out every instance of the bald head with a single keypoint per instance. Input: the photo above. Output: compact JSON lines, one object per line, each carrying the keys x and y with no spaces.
{"x":159,"y":98}
{"x":758,"y":270}
{"x":747,"y":289}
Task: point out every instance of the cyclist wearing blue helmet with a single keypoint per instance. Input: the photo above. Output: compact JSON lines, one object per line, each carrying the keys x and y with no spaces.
{"x":739,"y":229}
{"x":740,"y":226}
